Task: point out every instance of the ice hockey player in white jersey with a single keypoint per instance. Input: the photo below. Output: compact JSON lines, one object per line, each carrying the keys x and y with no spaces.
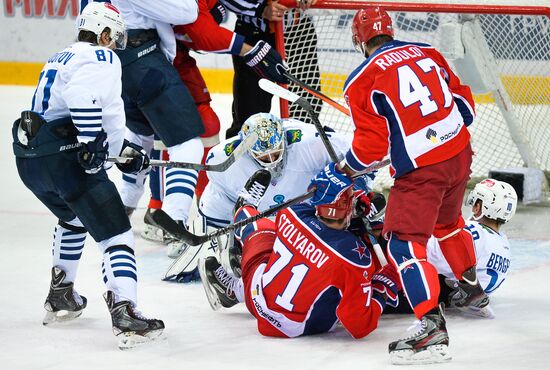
{"x":291,"y":150}
{"x":61,"y":147}
{"x":493,"y":204}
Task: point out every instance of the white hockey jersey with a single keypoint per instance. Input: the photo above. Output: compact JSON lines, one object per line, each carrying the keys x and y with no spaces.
{"x":492,"y":251}
{"x":305,"y":156}
{"x":83,"y":81}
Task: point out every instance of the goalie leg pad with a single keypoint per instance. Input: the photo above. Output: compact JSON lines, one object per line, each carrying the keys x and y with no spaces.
{"x":418,"y":277}
{"x":457,"y":246}
{"x":184,"y":268}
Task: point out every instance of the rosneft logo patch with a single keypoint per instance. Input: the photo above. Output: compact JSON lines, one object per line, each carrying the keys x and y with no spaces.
{"x":432,"y":136}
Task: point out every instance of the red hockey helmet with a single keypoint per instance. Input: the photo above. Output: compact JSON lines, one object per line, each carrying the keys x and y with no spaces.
{"x":340,"y":209}
{"x":368,"y":23}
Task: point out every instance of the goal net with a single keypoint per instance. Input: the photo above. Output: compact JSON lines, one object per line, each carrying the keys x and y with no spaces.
{"x":501,"y":49}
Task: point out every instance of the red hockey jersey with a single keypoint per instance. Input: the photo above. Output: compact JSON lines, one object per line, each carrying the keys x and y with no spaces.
{"x":406,"y":101}
{"x":315,"y":276}
{"x":207,"y":35}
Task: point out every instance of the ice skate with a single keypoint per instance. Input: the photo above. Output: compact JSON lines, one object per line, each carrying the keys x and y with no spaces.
{"x":429,"y":344}
{"x":129,"y":325}
{"x":253,"y":190}
{"x":63,"y":302}
{"x":151,"y":231}
{"x":235,"y":256}
{"x":468,"y":296}
{"x":218,"y":284}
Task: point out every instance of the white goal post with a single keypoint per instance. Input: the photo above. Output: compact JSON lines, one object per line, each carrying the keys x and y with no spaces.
{"x":501,"y":48}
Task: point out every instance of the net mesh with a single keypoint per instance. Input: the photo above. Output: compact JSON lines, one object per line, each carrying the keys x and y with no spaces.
{"x":320,"y":52}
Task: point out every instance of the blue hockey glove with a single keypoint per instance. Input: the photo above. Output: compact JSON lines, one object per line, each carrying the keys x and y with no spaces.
{"x":328,"y":184}
{"x":266,"y":62}
{"x":93,"y":154}
{"x":386,"y":282}
{"x":140,"y":159}
{"x":185,"y":277}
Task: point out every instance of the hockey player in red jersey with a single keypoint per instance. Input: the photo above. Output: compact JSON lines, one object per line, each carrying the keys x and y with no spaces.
{"x":304,"y":272}
{"x":406,"y":102}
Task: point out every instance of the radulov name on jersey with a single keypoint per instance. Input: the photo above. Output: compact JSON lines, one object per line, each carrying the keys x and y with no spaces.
{"x":387,"y":59}
{"x":300,"y":242}
{"x":62,"y":57}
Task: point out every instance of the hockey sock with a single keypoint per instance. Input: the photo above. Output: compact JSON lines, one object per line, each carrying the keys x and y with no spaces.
{"x":68,"y":242}
{"x":418,"y":276}
{"x":180,"y":183}
{"x":120,"y":272}
{"x":457,"y":246}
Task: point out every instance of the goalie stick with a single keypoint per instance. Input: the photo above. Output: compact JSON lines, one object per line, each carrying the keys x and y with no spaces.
{"x":317,"y":93}
{"x":168,"y":224}
{"x":283,"y":93}
{"x":219,"y":167}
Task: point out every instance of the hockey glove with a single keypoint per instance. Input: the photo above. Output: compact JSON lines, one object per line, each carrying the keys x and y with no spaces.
{"x":218,"y":12}
{"x":386,"y":282}
{"x":266,"y":62}
{"x":93,"y":154}
{"x":140,"y":159}
{"x":328,"y":184}
{"x":370,"y":205}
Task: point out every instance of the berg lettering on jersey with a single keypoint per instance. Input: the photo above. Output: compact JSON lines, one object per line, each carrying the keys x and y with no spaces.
{"x":406,"y":101}
{"x":313,"y":278}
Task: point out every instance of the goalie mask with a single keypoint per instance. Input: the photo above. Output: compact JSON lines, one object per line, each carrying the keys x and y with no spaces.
{"x":95,"y":17}
{"x":368,"y":23}
{"x":499,"y":200}
{"x":269,"y":149}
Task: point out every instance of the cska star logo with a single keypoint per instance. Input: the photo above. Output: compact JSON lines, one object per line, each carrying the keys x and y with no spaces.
{"x":361,"y":250}
{"x":408,"y":267}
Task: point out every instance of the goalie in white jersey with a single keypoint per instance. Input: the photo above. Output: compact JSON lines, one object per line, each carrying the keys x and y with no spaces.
{"x":61,"y":147}
{"x":291,"y":150}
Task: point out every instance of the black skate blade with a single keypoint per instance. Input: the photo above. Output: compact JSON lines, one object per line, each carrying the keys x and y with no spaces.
{"x":169,"y":225}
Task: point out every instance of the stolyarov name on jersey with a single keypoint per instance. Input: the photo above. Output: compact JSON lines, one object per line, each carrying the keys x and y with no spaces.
{"x":300,"y":242}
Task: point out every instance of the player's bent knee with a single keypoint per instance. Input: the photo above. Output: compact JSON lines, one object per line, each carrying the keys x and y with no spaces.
{"x":446,"y":231}
{"x":126,"y":238}
{"x":210,"y":120}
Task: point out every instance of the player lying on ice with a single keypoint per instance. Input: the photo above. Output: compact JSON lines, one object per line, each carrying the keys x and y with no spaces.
{"x":290,"y":150}
{"x":493,"y":204}
{"x":304,"y":272}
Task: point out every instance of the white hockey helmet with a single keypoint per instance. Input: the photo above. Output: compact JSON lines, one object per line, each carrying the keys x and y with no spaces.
{"x":95,"y":17}
{"x":499,"y":199}
{"x":269,"y":149}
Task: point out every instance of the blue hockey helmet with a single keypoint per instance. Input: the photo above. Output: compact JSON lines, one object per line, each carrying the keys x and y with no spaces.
{"x":269,"y":149}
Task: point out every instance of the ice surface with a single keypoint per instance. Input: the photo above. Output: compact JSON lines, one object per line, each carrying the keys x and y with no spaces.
{"x":197,"y":337}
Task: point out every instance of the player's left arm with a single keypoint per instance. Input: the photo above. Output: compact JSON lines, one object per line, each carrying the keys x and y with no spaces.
{"x":361,"y":306}
{"x":206,"y":34}
{"x":462,"y":94}
{"x":370,"y":138}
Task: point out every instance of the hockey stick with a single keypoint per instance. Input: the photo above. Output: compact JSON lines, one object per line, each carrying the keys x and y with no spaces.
{"x":283,"y":93}
{"x":172,"y":227}
{"x":166,"y":223}
{"x":219,"y":167}
{"x":317,"y":93}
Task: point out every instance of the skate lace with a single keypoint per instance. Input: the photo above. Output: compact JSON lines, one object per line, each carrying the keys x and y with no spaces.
{"x":416,"y":328}
{"x":228,"y":281}
{"x":254,"y":194}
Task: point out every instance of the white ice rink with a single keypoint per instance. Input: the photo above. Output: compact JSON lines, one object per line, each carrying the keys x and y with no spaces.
{"x":199,"y":338}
